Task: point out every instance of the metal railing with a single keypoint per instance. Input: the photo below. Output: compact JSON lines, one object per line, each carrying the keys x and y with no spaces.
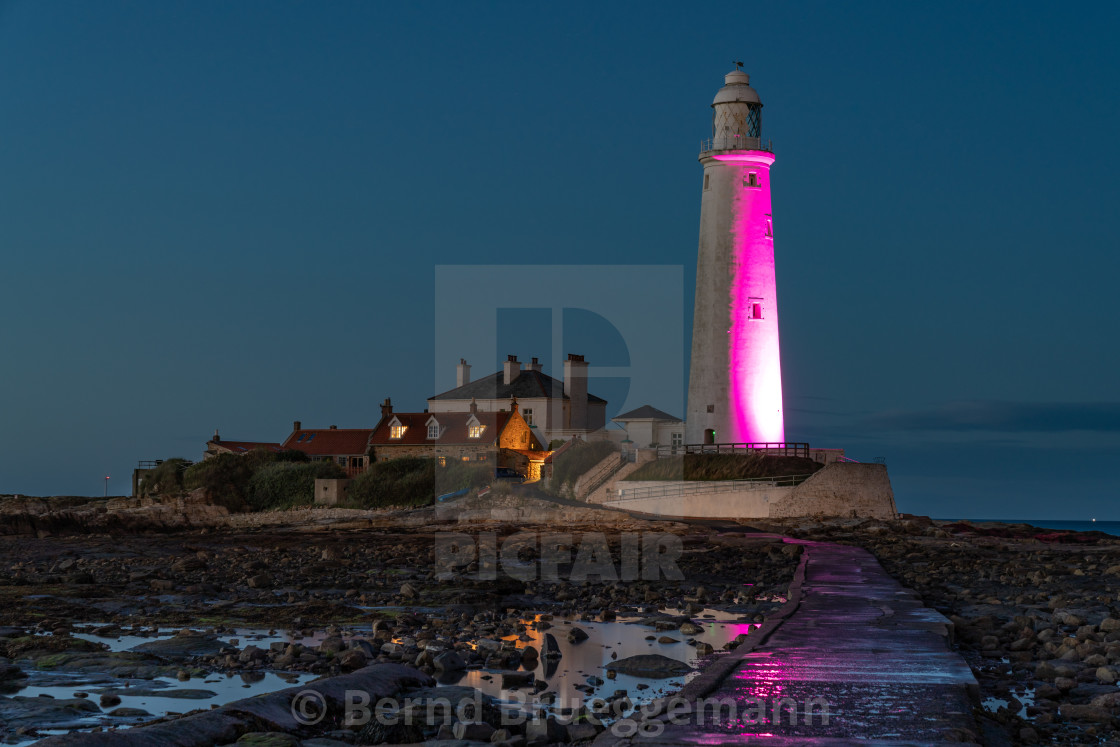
{"x":603,"y":474}
{"x":739,"y":143}
{"x":795,"y":449}
{"x":680,"y":489}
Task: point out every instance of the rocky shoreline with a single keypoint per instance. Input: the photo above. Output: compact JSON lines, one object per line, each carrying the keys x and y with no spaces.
{"x":344,"y":599}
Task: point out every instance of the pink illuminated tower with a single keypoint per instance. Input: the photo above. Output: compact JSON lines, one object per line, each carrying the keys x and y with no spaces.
{"x":735,"y":382}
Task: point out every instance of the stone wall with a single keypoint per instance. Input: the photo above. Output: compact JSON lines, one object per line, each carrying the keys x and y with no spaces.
{"x":839,"y":489}
{"x":842,"y":489}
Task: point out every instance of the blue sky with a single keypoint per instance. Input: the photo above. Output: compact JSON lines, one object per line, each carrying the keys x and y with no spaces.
{"x":230,"y":214}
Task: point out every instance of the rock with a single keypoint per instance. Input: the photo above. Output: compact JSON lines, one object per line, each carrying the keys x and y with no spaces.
{"x":703,"y":649}
{"x":259,"y":581}
{"x":109,"y":699}
{"x":449,"y":661}
{"x":544,"y":731}
{"x":128,"y":712}
{"x":488,"y":645}
{"x":352,"y":659}
{"x":1109,"y":624}
{"x":473,"y":732}
{"x":1086,"y":713}
{"x":650,"y":666}
{"x":182,"y":646}
{"x":691,"y":628}
{"x":581,"y":731}
{"x":529,"y":657}
{"x":268,"y":739}
{"x":667,"y":639}
{"x":551,"y":649}
{"x":1106,"y":676}
{"x":517,"y":679}
{"x":577,"y":635}
{"x":408,"y":591}
{"x":1065,"y":684}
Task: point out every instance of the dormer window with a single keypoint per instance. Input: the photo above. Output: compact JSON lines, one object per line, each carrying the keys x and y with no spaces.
{"x":433,"y":431}
{"x":396,"y":431}
{"x":475,"y":431}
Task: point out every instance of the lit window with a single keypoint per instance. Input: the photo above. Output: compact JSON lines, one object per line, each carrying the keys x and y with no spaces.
{"x":433,"y":430}
{"x":396,"y":431}
{"x":475,"y":431}
{"x":443,"y":461}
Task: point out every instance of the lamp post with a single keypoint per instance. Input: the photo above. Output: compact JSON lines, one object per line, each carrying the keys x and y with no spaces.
{"x":106,"y":486}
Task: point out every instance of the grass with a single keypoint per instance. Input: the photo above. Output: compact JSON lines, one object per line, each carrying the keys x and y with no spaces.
{"x":577,"y":460}
{"x":724,"y":467}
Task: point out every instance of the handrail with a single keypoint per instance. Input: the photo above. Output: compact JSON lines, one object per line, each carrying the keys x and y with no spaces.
{"x":677,"y":488}
{"x":603,"y":474}
{"x":707,"y":145}
{"x":800,"y":449}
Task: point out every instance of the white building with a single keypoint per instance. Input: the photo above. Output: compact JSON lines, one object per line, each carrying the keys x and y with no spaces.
{"x":647,"y":427}
{"x":554,"y":409}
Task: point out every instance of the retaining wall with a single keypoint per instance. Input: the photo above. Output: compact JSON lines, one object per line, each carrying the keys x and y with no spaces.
{"x":840,"y":489}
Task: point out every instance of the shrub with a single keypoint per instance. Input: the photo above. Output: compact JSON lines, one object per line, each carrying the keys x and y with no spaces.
{"x":166,"y":478}
{"x":556,"y":443}
{"x":224,"y":476}
{"x":409,"y":481}
{"x":285,"y":484}
{"x":576,"y":460}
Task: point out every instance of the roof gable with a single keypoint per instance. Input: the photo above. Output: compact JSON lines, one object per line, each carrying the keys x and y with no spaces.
{"x":647,"y":412}
{"x":330,"y":441}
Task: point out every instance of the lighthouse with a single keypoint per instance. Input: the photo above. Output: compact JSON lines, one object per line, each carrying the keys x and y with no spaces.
{"x":735,"y":379}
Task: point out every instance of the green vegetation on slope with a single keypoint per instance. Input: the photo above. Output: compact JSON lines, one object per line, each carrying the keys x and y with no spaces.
{"x":724,"y":467}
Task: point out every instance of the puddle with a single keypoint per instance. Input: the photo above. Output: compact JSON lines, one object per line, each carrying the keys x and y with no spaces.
{"x":591,"y":657}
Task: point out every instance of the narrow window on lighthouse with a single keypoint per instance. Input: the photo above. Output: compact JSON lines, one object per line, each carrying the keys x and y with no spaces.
{"x":706,"y":178}
{"x":754,"y":308}
{"x":770,"y":228}
{"x":751,"y":180}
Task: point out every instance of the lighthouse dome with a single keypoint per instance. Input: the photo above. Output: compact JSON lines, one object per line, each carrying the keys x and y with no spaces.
{"x":736,"y":87}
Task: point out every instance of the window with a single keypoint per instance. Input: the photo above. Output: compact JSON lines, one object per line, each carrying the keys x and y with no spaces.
{"x":754,"y":308}
{"x":342,"y":461}
{"x":711,"y":408}
{"x":475,"y":431}
{"x":442,"y":461}
{"x":482,"y":457}
{"x":707,"y":178}
{"x":678,"y":439}
{"x":769,"y":228}
{"x":310,"y":436}
{"x":528,"y":415}
{"x":300,"y":437}
{"x":433,"y":430}
{"x":396,"y":431}
{"x":750,"y":180}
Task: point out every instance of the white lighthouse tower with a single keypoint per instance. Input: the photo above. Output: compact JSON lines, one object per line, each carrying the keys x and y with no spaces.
{"x":735,"y":381}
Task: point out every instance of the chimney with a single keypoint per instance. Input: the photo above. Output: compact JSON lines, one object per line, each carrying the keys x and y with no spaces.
{"x":575,"y":389}
{"x":462,"y":373}
{"x":386,"y":408}
{"x":474,"y":406}
{"x":296,"y":426}
{"x":216,"y":438}
{"x":534,"y":366}
{"x":511,"y":370}
{"x":334,"y":427}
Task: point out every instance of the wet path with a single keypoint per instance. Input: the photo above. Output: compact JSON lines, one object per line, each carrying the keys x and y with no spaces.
{"x":851,"y":641}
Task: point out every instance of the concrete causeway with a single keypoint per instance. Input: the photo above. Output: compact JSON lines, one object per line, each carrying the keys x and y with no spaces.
{"x":850,"y":639}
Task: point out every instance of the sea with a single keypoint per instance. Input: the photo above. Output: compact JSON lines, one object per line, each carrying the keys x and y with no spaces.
{"x":1062,"y":525}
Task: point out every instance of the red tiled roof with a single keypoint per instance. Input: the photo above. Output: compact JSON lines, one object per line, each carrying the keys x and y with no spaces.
{"x":453,"y":428}
{"x":243,"y":447}
{"x":330,"y":441}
